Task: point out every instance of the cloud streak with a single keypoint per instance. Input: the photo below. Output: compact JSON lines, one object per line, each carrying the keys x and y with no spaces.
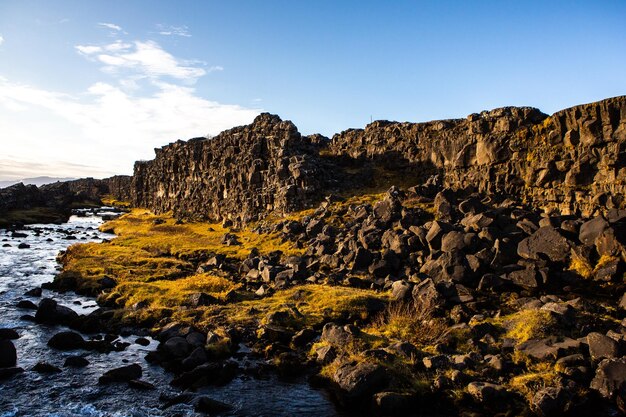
{"x":173,"y":31}
{"x":111,"y":26}
{"x":143,"y":57}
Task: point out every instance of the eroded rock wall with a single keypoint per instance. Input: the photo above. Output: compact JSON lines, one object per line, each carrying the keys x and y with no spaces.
{"x":572,"y":161}
{"x":240,"y":174}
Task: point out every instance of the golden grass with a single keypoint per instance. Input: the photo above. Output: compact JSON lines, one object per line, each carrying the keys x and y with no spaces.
{"x":540,"y":375}
{"x":406,"y":322}
{"x":581,"y":267}
{"x":528,"y":324}
{"x":111,"y":201}
{"x":309,"y":305}
{"x":164,"y":294}
{"x":137,"y":229}
{"x":150,"y":261}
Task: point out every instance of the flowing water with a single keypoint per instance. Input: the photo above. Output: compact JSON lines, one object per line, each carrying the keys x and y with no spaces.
{"x":75,"y":392}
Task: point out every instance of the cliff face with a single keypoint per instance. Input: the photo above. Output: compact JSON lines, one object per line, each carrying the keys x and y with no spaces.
{"x":61,"y":196}
{"x":573,"y":161}
{"x":239,"y":174}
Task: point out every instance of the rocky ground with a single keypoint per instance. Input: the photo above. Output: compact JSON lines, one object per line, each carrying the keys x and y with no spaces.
{"x":417,"y":301}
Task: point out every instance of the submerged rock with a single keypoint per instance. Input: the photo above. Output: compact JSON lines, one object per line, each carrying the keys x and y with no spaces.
{"x":8,"y":354}
{"x":67,"y":340}
{"x":122,"y":374}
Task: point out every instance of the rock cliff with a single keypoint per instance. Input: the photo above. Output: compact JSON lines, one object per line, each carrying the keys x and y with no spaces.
{"x":54,"y":201}
{"x":239,"y":174}
{"x":572,"y":161}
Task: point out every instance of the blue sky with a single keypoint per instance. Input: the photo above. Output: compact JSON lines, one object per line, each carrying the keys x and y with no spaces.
{"x":87,"y":87}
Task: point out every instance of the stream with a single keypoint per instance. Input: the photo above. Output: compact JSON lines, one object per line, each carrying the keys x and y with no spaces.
{"x":76,"y":392}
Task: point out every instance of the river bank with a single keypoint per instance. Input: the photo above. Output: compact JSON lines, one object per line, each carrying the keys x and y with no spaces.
{"x":28,"y":261}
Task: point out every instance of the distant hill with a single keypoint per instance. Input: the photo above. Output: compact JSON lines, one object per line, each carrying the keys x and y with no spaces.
{"x":38,"y":181}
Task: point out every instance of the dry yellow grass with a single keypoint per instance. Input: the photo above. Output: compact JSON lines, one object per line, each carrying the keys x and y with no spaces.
{"x":149,"y":260}
{"x":138,"y":229}
{"x":528,"y":324}
{"x":408,"y":323}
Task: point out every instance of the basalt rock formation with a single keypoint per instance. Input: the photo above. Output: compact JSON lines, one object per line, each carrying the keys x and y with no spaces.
{"x":573,"y":162}
{"x":240,"y":174}
{"x":53,"y":202}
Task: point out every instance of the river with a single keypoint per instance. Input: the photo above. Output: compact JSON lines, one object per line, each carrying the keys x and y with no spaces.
{"x":75,"y":392}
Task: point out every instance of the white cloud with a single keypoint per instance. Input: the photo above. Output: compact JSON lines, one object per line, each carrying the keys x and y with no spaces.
{"x":106,"y":128}
{"x":173,"y":31}
{"x":145,"y":57}
{"x":88,"y":49}
{"x":1,"y":39}
{"x":111,"y":26}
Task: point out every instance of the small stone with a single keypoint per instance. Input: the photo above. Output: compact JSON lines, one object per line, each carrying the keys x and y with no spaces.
{"x":121,"y":374}
{"x":75,"y":362}
{"x":45,"y":368}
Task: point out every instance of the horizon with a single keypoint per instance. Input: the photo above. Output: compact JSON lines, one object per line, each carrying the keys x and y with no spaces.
{"x":108,"y":83}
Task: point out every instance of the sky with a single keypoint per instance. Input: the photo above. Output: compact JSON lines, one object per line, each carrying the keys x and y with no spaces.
{"x":88,"y":87}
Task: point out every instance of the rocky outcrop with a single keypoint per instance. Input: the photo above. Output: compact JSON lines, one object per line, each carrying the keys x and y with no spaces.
{"x":238,"y":175}
{"x":53,"y":202}
{"x":573,"y":161}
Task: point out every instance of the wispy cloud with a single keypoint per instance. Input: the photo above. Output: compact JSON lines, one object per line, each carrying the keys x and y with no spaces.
{"x":1,"y":39}
{"x":173,"y":30}
{"x":106,"y":127}
{"x":144,"y":57}
{"x":111,"y":26}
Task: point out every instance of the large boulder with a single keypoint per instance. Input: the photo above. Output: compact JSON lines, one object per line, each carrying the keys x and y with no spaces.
{"x":122,"y":374}
{"x":337,"y":335}
{"x":360,"y":380}
{"x":591,"y":229}
{"x":8,"y":354}
{"x":546,"y":242}
{"x":602,"y":347}
{"x":49,"y":312}
{"x":67,"y":340}
{"x":610,"y":377}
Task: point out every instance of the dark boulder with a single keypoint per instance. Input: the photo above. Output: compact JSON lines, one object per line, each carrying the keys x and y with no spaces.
{"x":201,"y":299}
{"x":49,"y":312}
{"x":9,"y":334}
{"x":549,"y":402}
{"x":360,"y":380}
{"x":602,"y":347}
{"x":546,"y":242}
{"x":35,"y":292}
{"x":122,"y":374}
{"x":75,"y":362}
{"x":610,"y":377}
{"x":26,"y":305}
{"x":337,"y":335}
{"x":176,"y":347}
{"x":8,"y":354}
{"x":591,"y":229}
{"x":207,"y":405}
{"x":67,"y":340}
{"x":46,"y":368}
